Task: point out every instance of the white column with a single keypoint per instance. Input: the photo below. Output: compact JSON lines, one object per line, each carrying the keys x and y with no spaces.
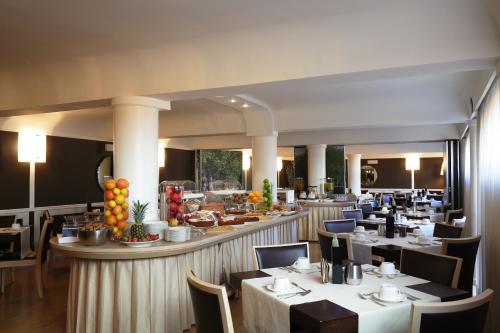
{"x":316,"y":164}
{"x":354,"y":173}
{"x":264,"y":162}
{"x":135,"y":136}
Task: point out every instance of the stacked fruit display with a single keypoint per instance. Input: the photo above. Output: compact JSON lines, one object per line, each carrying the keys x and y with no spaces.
{"x":175,"y":204}
{"x":254,"y":197}
{"x":116,"y":205}
{"x":137,"y":231}
{"x":267,"y":193}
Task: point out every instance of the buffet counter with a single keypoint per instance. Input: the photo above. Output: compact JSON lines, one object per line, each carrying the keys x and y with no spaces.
{"x":114,"y":288}
{"x":318,"y":212}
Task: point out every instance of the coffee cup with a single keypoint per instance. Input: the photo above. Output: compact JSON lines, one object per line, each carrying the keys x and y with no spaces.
{"x":387,"y":268}
{"x":389,"y":292}
{"x":404,"y":219}
{"x":16,"y":226}
{"x":360,"y":237}
{"x":423,"y":240}
{"x":372,"y":217}
{"x":426,"y":221}
{"x":359,"y":228}
{"x":384,"y":209}
{"x":302,"y":263}
{"x":281,"y":284}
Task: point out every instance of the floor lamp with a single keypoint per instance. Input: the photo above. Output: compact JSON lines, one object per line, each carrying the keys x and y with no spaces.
{"x":413,"y":164}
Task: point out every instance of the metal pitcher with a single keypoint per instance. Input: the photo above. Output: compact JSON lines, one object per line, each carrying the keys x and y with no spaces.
{"x":353,"y":273}
{"x":325,"y":270}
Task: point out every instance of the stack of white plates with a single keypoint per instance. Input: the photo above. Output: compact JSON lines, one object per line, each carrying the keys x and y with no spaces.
{"x":178,"y":234}
{"x":156,"y":228}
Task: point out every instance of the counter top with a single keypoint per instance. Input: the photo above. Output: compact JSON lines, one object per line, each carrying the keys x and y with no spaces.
{"x":311,"y":203}
{"x":116,"y":250}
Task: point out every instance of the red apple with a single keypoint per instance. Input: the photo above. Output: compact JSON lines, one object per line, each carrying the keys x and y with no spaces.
{"x":122,"y":183}
{"x":109,"y":195}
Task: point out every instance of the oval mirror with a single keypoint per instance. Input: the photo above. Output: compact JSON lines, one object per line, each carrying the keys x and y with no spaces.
{"x":104,"y":170}
{"x":368,"y":175}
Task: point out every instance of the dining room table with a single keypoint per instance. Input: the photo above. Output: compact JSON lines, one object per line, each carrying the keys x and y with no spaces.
{"x":18,"y":240}
{"x":411,"y":224}
{"x":326,"y":307}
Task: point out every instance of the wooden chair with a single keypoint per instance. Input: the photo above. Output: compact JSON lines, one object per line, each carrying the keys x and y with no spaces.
{"x":445,"y":230}
{"x":453,"y":214}
{"x":281,"y":255}
{"x":37,"y":261}
{"x":325,"y":244}
{"x":467,"y":315}
{"x":437,"y":268}
{"x":211,"y":306}
{"x":465,"y":248}
{"x":339,"y":226}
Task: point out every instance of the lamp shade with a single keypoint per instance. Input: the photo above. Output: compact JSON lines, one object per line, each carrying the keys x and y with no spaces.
{"x":31,"y":146}
{"x":161,"y":157}
{"x":245,"y":165}
{"x":279,"y":164}
{"x":413,"y":162}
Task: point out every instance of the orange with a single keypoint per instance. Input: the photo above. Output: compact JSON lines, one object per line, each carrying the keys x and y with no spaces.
{"x":118,"y":234}
{"x":122,"y":225}
{"x":111,"y":220}
{"x":110,"y":184}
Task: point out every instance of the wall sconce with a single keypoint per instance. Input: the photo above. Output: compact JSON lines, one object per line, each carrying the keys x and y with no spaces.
{"x":413,"y":164}
{"x":161,"y":157}
{"x":31,"y":146}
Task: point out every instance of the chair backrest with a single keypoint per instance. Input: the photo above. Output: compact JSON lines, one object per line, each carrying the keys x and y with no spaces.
{"x":467,"y":315}
{"x":444,"y":230}
{"x":356,"y":214}
{"x":325,"y":244}
{"x":453,"y":214}
{"x":43,"y":245}
{"x":337,"y":226}
{"x":465,"y":248}
{"x":7,"y":220}
{"x":211,"y":306}
{"x":386,"y":198}
{"x":437,"y":268}
{"x":366,"y":208}
{"x":281,"y":255}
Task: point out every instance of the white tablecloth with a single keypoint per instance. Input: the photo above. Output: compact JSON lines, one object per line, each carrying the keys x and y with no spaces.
{"x":428,"y":229}
{"x":362,"y":251}
{"x":264,"y":312}
{"x":24,"y":236}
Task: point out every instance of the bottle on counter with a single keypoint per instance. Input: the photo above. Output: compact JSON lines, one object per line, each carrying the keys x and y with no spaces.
{"x":389,"y":225}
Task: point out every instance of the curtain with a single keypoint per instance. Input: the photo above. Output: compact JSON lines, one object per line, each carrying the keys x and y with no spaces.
{"x":488,"y":198}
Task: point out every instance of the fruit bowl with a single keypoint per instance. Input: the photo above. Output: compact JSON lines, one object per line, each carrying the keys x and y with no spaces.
{"x":140,"y":244}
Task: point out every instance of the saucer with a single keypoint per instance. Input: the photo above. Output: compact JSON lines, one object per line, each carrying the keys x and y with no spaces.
{"x":396,"y":272}
{"x":418,"y":243}
{"x":271,"y":288}
{"x":400,"y":299}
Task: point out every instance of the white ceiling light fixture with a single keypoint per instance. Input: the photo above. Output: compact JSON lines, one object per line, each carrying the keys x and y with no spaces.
{"x":232,"y":100}
{"x":31,"y":146}
{"x":245,"y":105}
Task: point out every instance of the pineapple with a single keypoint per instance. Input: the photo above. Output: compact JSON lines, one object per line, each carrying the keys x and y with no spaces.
{"x":138,"y":229}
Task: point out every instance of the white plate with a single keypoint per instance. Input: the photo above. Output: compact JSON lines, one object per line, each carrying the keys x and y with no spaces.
{"x":401,"y":298}
{"x":139,"y":244}
{"x":288,"y":213}
{"x":396,"y":272}
{"x":286,"y":291}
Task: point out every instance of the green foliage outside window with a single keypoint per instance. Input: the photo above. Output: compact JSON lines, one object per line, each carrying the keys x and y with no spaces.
{"x":221,"y":164}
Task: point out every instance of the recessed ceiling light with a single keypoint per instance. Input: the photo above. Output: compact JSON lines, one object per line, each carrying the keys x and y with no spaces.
{"x":232,"y":100}
{"x":245,"y":105}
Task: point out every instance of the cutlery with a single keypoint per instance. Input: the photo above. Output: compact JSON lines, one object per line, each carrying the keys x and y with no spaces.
{"x":368,"y":298}
{"x":296,"y":285}
{"x":303,"y":293}
{"x":411,"y":297}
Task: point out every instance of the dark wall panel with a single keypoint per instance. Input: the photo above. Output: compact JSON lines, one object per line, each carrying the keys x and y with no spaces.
{"x":392,"y":173}
{"x":69,"y":176}
{"x":179,"y":165}
{"x":14,"y":176}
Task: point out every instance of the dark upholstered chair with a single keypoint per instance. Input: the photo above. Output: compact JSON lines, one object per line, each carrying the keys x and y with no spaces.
{"x":325,"y":244}
{"x":467,"y":315}
{"x":366,"y":209}
{"x":465,"y":248}
{"x":279,"y":255}
{"x":444,"y":230}
{"x":337,"y":226}
{"x":453,"y":214}
{"x":211,"y":307}
{"x":7,"y":220}
{"x":356,"y":214}
{"x":429,"y":266}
